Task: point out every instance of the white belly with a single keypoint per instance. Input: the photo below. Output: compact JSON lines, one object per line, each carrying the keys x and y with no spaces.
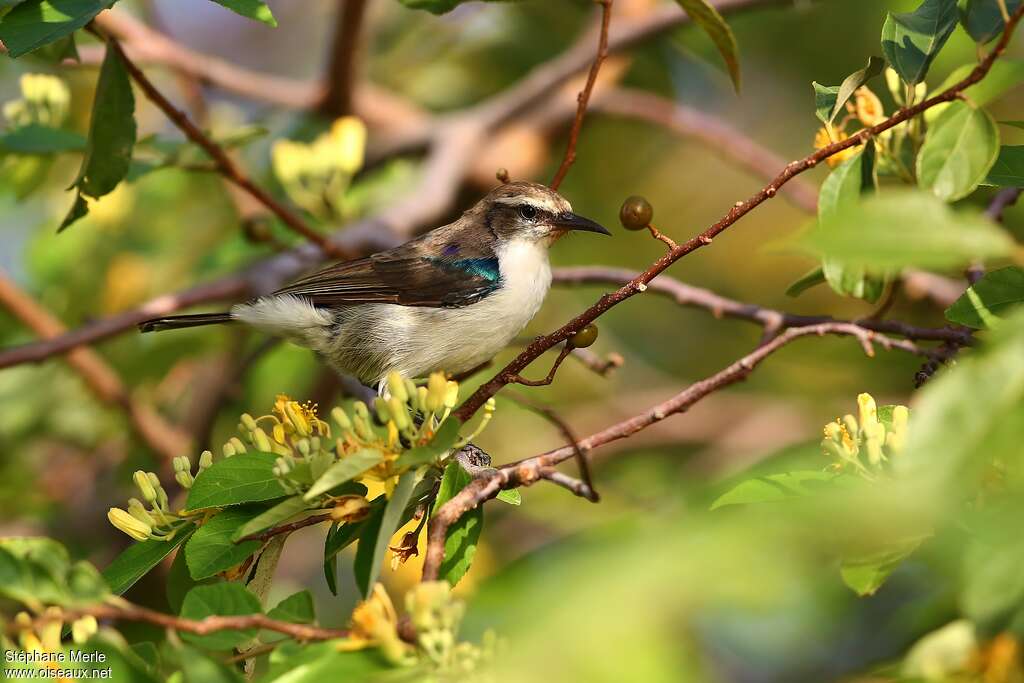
{"x":459,"y":339}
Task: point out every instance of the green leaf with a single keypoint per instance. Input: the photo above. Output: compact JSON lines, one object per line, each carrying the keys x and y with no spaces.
{"x":211,"y":549}
{"x":983,"y":19}
{"x":812,"y":278}
{"x":253,"y":9}
{"x":907,"y":228}
{"x":711,"y":22}
{"x":1015,"y":124}
{"x":1005,"y":75}
{"x":775,"y":487}
{"x":243,"y":478}
{"x":437,"y":6}
{"x":865,"y":574}
{"x":442,"y":442}
{"x":460,"y":543}
{"x":272,"y":517}
{"x":377,"y":531}
{"x":320,"y":662}
{"x":989,"y":299}
{"x":35,"y":23}
{"x":961,"y":147}
{"x":911,"y":41}
{"x":347,"y":468}
{"x":993,"y":584}
{"x":78,"y":210}
{"x":296,"y":608}
{"x":198,"y":667}
{"x":338,"y":538}
{"x":180,"y":582}
{"x":37,"y":139}
{"x":825,"y":97}
{"x":108,"y":152}
{"x":510,"y":496}
{"x":1008,"y":171}
{"x":221,"y":599}
{"x":136,"y":561}
{"x":839,"y":96}
{"x":967,"y":417}
{"x":842,"y":189}
{"x":116,"y":665}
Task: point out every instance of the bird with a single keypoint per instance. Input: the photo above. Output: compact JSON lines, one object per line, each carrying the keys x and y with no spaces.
{"x":449,"y":300}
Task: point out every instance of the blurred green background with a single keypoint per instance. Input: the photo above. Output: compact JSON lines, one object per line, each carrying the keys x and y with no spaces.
{"x":599,"y":588}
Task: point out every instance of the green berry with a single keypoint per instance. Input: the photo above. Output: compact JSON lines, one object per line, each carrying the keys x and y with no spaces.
{"x":584,"y":338}
{"x":636,"y":213}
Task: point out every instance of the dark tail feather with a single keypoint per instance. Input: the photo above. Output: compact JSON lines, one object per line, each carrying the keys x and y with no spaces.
{"x":175,"y":322}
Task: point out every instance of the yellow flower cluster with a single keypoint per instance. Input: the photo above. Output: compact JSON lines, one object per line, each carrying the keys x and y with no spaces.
{"x":44,"y":100}
{"x":316,"y":175}
{"x":849,"y":437}
{"x":435,"y":617}
{"x":866,"y":108}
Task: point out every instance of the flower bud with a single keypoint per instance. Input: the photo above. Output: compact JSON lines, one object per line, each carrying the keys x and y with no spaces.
{"x":867,"y":413}
{"x":261,"y":441}
{"x":182,"y":464}
{"x":137,"y":510}
{"x":295,"y":416}
{"x":396,"y":385}
{"x":399,"y":413}
{"x":205,"y":460}
{"x":237,"y":443}
{"x":437,"y":388}
{"x":451,"y":394}
{"x":349,"y":509}
{"x":125,"y":522}
{"x":359,"y":409}
{"x":83,"y":629}
{"x":184,"y":479}
{"x":341,"y":417}
{"x":229,"y":450}
{"x":380,"y":408}
{"x":145,"y":486}
{"x":248,"y":422}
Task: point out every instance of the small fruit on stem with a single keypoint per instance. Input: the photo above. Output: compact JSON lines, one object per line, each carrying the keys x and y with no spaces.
{"x":636,"y":213}
{"x":584,"y":338}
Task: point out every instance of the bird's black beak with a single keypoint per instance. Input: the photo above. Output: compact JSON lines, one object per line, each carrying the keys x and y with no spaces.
{"x":570,"y":221}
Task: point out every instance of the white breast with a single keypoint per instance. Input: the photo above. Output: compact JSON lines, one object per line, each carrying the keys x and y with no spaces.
{"x":459,"y":339}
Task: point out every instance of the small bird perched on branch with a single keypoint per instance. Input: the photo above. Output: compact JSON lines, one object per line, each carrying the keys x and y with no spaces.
{"x":449,"y":300}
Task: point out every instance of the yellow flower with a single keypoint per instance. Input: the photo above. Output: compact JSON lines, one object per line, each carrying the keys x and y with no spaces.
{"x":375,"y":622}
{"x":123,"y":521}
{"x":344,"y":145}
{"x":349,"y":508}
{"x":822,"y":140}
{"x":868,"y":107}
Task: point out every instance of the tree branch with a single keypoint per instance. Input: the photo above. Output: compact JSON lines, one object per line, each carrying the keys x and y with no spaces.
{"x":225,"y":164}
{"x":341,"y":73}
{"x":718,"y":136}
{"x":584,"y":96}
{"x":526,"y":472}
{"x":122,"y":610}
{"x":102,"y":380}
{"x":738,"y":211}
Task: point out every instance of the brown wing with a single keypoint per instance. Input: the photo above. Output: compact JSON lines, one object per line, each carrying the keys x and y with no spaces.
{"x":405,"y":276}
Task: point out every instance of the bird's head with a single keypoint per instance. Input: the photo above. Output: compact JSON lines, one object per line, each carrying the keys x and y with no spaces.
{"x":531,"y":211}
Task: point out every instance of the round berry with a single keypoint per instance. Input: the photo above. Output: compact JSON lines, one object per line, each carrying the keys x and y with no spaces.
{"x":636,"y":213}
{"x":584,"y":338}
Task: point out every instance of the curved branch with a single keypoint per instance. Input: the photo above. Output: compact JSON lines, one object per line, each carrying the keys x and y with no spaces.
{"x":526,"y":472}
{"x":738,"y":211}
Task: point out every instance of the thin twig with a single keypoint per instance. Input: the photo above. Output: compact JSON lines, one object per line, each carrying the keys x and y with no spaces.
{"x":722,"y":307}
{"x":563,"y":354}
{"x":526,"y":472}
{"x":285,"y":528}
{"x":586,"y":488}
{"x":225,"y":164}
{"x":341,"y":72}
{"x":584,"y":96}
{"x":165,"y":439}
{"x":122,"y":610}
{"x":738,"y":211}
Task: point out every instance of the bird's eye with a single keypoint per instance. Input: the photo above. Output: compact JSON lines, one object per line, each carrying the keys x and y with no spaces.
{"x":528,"y":212}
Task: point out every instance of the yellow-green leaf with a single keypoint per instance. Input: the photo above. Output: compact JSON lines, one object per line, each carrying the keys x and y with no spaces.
{"x":708,"y":18}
